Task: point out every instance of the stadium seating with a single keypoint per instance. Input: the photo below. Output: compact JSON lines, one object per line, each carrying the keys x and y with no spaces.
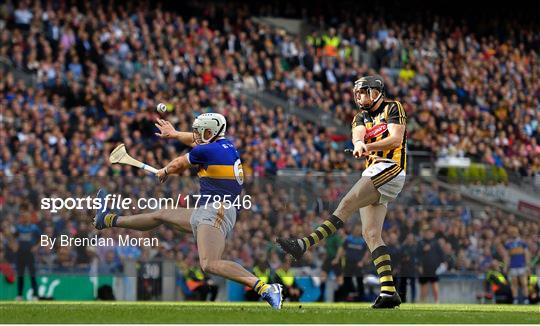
{"x":79,"y":81}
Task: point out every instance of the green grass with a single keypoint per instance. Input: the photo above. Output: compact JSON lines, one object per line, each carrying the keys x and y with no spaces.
{"x":237,"y":313}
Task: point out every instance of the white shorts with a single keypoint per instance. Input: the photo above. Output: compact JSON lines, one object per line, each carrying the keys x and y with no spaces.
{"x":516,"y":272}
{"x":220,"y":218}
{"x":388,"y":178}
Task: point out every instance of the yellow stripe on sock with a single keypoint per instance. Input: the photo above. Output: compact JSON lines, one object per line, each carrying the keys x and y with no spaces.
{"x":261,"y":287}
{"x":323,"y":231}
{"x":383,"y":269}
{"x":381,"y":259}
{"x":387,"y":278}
{"x":330,"y":225}
{"x":109,"y":219}
{"x":388,"y":288}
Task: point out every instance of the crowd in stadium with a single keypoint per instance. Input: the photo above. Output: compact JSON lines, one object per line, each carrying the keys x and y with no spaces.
{"x":460,"y":89}
{"x":463,"y":240}
{"x":105,"y":80}
{"x":101,"y":71}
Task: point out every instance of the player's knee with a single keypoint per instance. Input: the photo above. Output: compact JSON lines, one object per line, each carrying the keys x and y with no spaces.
{"x":208,"y":266}
{"x":204,"y":262}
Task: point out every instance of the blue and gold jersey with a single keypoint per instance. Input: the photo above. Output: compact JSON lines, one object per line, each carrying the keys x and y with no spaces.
{"x":516,"y":249}
{"x":220,"y":171}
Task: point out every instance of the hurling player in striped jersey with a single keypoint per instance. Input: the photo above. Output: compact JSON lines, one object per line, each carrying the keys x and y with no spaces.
{"x":378,"y":133}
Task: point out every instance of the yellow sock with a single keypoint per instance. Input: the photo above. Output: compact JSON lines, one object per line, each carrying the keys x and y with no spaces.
{"x":383,"y":265}
{"x":260,"y":287}
{"x":110,"y":220}
{"x":323,"y":231}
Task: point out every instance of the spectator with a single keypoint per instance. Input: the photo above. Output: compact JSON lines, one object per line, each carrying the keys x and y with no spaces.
{"x":497,"y":284}
{"x":5,"y":269}
{"x":407,"y":268}
{"x":330,"y":264}
{"x":110,"y":265}
{"x":353,"y":257}
{"x":27,"y":234}
{"x":429,"y":257}
{"x":285,"y":276}
{"x":202,"y":288}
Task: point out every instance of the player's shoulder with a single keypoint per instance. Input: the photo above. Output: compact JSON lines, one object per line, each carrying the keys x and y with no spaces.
{"x":393,"y":104}
{"x":358,"y":119}
{"x":394,"y":108}
{"x":199,"y":148}
{"x":223,"y":143}
{"x":218,"y":145}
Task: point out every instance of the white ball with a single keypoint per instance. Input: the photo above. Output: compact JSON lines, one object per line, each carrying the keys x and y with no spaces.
{"x":161,"y":107}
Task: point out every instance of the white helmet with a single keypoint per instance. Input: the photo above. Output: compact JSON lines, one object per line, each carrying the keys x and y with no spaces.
{"x":214,"y":122}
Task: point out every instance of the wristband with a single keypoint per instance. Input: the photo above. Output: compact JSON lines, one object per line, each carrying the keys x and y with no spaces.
{"x":358,"y":141}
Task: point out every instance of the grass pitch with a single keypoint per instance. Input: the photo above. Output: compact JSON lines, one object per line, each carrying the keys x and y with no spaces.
{"x":238,"y":313}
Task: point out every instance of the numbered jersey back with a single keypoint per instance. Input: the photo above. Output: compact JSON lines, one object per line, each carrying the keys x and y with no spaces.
{"x":220,"y":170}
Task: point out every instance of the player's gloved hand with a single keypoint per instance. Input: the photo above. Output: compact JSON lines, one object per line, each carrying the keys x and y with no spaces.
{"x":359,"y":148}
{"x":166,"y":129}
{"x":162,"y":174}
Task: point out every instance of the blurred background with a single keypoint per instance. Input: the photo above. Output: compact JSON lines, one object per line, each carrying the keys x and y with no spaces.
{"x":79,"y":77}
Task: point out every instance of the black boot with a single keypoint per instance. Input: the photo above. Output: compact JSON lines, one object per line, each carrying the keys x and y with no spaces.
{"x":387,"y":301}
{"x":291,"y":247}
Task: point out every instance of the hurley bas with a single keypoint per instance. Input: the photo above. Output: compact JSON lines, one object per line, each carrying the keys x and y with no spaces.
{"x":123,"y":241}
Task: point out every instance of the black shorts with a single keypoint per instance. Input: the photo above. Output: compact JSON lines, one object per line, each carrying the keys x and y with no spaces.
{"x":25,"y":260}
{"x":428,"y":279}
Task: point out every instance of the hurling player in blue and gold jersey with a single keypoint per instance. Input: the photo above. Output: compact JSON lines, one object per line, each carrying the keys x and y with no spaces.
{"x":211,"y":221}
{"x":517,"y":258}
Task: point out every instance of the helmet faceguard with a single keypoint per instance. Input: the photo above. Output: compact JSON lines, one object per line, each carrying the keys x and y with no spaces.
{"x":364,"y":87}
{"x":214,"y":122}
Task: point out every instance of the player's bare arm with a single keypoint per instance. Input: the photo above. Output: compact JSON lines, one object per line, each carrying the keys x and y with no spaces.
{"x":394,"y":140}
{"x":358,"y":135}
{"x":378,"y":185}
{"x":176,"y":166}
{"x":167,"y":131}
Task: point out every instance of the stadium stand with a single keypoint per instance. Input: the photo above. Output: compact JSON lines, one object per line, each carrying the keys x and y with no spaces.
{"x":78,"y":80}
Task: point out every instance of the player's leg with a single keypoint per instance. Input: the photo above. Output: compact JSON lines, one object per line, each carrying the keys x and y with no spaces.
{"x":514,"y":282}
{"x":21,"y":266}
{"x":413,"y":289}
{"x":423,"y":291}
{"x":211,"y":243}
{"x":363,"y":193}
{"x":524,"y":286}
{"x":322,"y":287}
{"x":32,"y":270}
{"x":372,"y":218}
{"x":177,"y":218}
{"x":435,"y":290}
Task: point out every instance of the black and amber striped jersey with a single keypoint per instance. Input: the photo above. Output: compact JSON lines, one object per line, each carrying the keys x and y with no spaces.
{"x":376,"y":124}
